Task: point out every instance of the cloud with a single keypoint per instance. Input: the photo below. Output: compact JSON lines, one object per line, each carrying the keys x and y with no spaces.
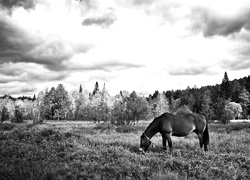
{"x":240,"y":61}
{"x":9,"y":4}
{"x":142,"y":2}
{"x":28,"y":72}
{"x":108,"y":66}
{"x":50,"y":50}
{"x":212,"y":23}
{"x":105,"y":19}
{"x":189,"y":67}
{"x":15,"y":88}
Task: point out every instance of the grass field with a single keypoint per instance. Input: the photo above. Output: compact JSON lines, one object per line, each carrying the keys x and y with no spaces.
{"x":81,"y":150}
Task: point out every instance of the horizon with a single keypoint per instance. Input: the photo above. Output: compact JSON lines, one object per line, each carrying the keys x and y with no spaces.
{"x":100,"y":87}
{"x":132,"y":45}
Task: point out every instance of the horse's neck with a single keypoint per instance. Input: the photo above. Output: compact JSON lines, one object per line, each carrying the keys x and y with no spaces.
{"x":150,"y":132}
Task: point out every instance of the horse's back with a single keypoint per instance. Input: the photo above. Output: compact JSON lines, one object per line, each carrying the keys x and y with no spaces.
{"x":181,"y":125}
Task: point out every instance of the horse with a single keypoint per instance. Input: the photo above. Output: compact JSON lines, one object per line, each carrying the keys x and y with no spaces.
{"x":176,"y":125}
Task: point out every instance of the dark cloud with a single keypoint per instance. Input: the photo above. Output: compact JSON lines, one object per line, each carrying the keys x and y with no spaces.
{"x":105,"y":19}
{"x":9,"y":4}
{"x":211,"y":23}
{"x":19,"y":46}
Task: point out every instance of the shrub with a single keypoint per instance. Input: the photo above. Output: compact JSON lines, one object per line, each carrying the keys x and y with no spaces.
{"x":4,"y":114}
{"x":7,"y":126}
{"x":226,"y":117}
{"x":18,"y":116}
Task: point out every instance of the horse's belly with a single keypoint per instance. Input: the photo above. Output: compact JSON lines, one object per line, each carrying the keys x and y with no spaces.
{"x":184,"y":131}
{"x":180,"y":134}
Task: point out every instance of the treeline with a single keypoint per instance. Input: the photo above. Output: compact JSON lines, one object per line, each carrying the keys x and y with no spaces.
{"x":228,"y":100}
{"x":225,"y":101}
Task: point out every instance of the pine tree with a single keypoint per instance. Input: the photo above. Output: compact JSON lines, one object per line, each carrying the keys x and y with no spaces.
{"x":80,"y":89}
{"x":34,"y":98}
{"x":225,"y":87}
{"x":247,"y":85}
{"x":96,"y":89}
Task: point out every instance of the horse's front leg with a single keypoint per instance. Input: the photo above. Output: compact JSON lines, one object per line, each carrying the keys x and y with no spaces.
{"x":169,"y":142}
{"x":165,"y":137}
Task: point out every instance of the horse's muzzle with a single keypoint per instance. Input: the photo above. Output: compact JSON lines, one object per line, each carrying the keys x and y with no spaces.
{"x":141,"y":151}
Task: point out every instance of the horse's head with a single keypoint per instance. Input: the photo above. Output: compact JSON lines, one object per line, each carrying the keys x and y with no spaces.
{"x":144,"y":144}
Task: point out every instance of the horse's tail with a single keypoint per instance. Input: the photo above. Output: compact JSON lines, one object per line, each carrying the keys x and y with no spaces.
{"x":206,"y":135}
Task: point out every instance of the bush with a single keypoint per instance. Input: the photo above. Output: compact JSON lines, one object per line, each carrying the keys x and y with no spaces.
{"x":7,"y":126}
{"x":4,"y":114}
{"x":226,"y":117}
{"x":18,"y":116}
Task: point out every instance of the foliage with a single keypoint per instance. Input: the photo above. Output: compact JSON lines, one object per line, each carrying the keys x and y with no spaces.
{"x":18,"y":115}
{"x":4,"y":116}
{"x":7,"y":126}
{"x":234,"y":109}
{"x":244,"y":100}
{"x":184,"y":109}
{"x":226,"y":117}
{"x":158,"y":104}
{"x":129,"y":109}
{"x":126,"y":108}
{"x":225,"y":87}
{"x":206,"y":105}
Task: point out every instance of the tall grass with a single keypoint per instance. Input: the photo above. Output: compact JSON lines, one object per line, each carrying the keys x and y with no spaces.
{"x":87,"y":151}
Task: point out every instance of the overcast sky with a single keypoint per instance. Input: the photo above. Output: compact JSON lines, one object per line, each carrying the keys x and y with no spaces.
{"x":141,"y":45}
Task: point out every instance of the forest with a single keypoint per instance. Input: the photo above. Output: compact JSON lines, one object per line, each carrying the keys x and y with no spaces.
{"x":223,"y":102}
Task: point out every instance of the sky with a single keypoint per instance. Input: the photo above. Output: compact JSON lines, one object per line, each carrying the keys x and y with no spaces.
{"x":133,"y":45}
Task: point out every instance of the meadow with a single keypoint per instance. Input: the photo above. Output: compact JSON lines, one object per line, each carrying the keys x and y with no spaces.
{"x":84,"y":150}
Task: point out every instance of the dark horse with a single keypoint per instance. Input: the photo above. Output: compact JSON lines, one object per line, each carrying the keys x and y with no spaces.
{"x":176,"y":125}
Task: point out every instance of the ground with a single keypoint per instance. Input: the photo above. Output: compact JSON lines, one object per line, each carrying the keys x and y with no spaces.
{"x":84,"y":150}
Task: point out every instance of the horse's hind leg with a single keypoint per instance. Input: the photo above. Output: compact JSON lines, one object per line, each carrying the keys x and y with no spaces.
{"x":200,"y":136}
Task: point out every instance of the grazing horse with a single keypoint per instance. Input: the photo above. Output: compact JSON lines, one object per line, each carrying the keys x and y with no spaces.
{"x":176,"y":125}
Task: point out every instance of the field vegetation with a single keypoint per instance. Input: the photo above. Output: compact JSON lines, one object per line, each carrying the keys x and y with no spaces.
{"x":84,"y":150}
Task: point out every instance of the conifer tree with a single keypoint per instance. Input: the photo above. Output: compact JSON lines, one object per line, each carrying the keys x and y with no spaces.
{"x":80,"y":89}
{"x":225,"y":87}
{"x":96,"y":89}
